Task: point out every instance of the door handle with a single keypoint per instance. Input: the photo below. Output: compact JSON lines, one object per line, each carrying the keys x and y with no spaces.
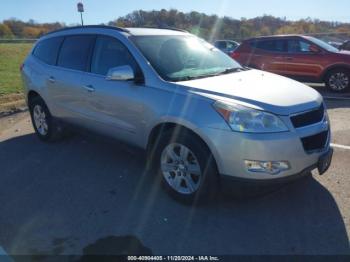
{"x":89,"y":88}
{"x":289,"y":58}
{"x":52,"y":79}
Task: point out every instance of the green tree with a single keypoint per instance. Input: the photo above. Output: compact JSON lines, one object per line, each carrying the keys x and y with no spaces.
{"x":5,"y":31}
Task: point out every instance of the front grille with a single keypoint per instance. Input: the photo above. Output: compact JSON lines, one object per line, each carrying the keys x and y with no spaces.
{"x":308,"y":118}
{"x":315,"y":142}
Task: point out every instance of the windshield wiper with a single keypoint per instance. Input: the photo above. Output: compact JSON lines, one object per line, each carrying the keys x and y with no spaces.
{"x":184,"y":78}
{"x":226,"y":71}
{"x":187,"y":78}
{"x":231,"y":70}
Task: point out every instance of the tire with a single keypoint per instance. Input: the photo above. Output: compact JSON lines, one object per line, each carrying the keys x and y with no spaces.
{"x":46,"y":127}
{"x":190,"y":153}
{"x":338,"y":80}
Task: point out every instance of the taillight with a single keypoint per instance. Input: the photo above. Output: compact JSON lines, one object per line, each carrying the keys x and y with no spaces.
{"x":21,"y":67}
{"x":235,"y":55}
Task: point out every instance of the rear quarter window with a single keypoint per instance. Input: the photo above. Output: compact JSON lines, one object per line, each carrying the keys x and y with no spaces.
{"x":47,"y":50}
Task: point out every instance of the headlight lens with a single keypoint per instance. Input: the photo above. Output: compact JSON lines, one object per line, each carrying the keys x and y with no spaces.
{"x":244,"y":119}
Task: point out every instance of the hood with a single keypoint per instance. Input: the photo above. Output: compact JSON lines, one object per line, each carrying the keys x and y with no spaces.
{"x":259,"y":90}
{"x":344,"y":56}
{"x":344,"y":52}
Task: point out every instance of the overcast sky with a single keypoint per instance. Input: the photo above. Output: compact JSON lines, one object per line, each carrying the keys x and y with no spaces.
{"x":103,"y":11}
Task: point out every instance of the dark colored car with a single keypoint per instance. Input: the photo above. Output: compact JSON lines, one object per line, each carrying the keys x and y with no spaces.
{"x":303,"y":58}
{"x":335,"y":44}
{"x":345,"y":46}
{"x":226,"y":46}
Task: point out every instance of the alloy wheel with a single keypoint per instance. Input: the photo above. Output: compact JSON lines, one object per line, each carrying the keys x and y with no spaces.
{"x":40,"y":120}
{"x":338,"y":81}
{"x":180,"y":168}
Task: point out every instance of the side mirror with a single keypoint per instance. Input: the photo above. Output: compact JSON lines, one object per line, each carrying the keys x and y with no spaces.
{"x":121,"y":73}
{"x":315,"y":49}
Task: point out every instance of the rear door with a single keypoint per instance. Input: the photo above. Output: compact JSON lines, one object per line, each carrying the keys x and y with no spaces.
{"x":66,"y":90}
{"x":113,"y":107}
{"x":45,"y":54}
{"x":268,"y":55}
{"x":301,"y":62}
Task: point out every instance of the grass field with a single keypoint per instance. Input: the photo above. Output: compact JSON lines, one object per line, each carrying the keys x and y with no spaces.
{"x":11,"y":57}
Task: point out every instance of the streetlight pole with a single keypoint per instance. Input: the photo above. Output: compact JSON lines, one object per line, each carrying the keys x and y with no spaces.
{"x":80,"y":7}
{"x":81,"y":18}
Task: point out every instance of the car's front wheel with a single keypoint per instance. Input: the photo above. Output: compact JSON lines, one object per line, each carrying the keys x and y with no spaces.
{"x":338,"y":80}
{"x":186,"y":166}
{"x":45,"y":126}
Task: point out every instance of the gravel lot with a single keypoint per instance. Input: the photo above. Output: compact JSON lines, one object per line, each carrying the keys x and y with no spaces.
{"x":77,"y":195}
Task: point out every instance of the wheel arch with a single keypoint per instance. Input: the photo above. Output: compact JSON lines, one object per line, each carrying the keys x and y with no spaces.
{"x":32,"y":94}
{"x":165,"y":127}
{"x":333,"y":67}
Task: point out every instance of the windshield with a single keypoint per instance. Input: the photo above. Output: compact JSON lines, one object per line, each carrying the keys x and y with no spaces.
{"x":178,"y":58}
{"x":322,"y":44}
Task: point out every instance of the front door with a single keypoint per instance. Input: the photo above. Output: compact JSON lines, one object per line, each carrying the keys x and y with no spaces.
{"x":301,"y":63}
{"x":113,"y":107}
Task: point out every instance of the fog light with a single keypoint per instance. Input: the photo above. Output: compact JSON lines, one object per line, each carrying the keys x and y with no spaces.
{"x":269,"y":167}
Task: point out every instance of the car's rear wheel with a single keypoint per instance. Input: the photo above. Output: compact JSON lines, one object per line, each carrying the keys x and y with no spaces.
{"x":45,"y":126}
{"x":338,"y":80}
{"x":186,"y":166}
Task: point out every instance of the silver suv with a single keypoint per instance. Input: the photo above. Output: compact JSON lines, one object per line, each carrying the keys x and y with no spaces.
{"x":199,"y":114}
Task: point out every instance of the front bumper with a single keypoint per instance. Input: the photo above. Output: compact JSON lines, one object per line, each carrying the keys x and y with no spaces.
{"x":239,"y":185}
{"x":230,"y":180}
{"x":230,"y":149}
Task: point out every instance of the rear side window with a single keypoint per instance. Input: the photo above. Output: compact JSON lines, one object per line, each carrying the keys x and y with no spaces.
{"x":47,"y":50}
{"x":231,"y":45}
{"x":109,"y":53}
{"x":270,"y":45}
{"x":220,"y":44}
{"x":75,"y":52}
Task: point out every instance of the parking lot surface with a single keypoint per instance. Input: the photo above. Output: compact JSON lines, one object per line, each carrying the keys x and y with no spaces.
{"x":90,"y":195}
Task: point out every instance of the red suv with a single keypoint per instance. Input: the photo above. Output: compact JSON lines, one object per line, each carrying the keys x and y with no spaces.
{"x":303,"y":58}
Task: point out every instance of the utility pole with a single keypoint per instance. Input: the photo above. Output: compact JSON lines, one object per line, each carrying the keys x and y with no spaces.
{"x":81,"y":11}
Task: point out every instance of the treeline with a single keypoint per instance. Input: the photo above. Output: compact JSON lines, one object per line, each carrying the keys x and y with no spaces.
{"x":214,"y":27}
{"x":206,"y":26}
{"x":13,"y":28}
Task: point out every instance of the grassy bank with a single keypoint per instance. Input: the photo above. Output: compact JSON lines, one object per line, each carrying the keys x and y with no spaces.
{"x":11,"y":57}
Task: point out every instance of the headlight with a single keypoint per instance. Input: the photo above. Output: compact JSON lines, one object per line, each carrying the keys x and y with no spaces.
{"x":244,"y":119}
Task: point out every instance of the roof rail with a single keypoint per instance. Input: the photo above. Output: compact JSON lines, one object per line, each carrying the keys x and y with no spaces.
{"x":165,"y":27}
{"x":90,"y":26}
{"x":275,"y":36}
